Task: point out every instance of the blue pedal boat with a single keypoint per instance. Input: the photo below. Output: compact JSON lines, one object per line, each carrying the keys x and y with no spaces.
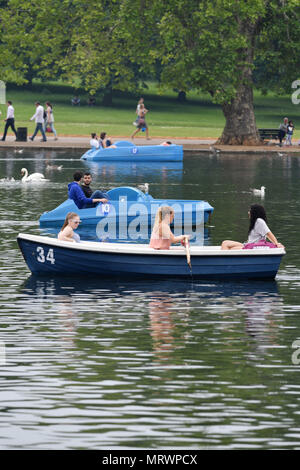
{"x":46,"y":255}
{"x":129,"y":207}
{"x":127,"y":151}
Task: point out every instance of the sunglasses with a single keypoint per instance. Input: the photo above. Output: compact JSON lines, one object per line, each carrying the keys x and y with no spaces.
{"x":76,"y":221}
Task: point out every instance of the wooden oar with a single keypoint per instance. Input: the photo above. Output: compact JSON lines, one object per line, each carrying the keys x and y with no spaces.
{"x":187,"y":252}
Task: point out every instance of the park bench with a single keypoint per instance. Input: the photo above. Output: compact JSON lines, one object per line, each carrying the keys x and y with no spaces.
{"x":268,"y":133}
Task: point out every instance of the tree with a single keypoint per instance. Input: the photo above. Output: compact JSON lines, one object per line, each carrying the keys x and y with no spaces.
{"x":215,"y":45}
{"x":222,"y":47}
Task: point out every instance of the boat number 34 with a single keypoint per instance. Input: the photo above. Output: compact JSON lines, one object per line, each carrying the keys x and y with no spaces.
{"x":43,"y":257}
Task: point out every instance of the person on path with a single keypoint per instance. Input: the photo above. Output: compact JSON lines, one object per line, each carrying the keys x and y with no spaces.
{"x":142,"y":122}
{"x":10,"y":120}
{"x":282,"y":130}
{"x":39,"y":121}
{"x":49,"y":121}
{"x":290,"y":130}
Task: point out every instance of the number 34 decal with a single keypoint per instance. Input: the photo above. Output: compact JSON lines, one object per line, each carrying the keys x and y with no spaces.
{"x":41,"y":258}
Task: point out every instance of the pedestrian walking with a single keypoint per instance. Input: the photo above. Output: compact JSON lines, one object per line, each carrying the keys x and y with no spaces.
{"x":10,"y":120}
{"x":39,"y":121}
{"x":49,"y":121}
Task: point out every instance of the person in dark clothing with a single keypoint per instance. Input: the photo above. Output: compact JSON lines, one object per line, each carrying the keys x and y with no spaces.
{"x":282,"y":130}
{"x":77,"y":194}
{"x":85,"y":184}
{"x":10,"y":120}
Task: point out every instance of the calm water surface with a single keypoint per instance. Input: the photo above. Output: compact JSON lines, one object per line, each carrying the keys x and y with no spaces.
{"x":98,"y":364}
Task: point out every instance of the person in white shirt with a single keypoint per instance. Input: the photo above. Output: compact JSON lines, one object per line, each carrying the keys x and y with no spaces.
{"x":39,"y":121}
{"x":258,"y":230}
{"x":10,"y":120}
{"x":94,"y":142}
{"x":49,"y":121}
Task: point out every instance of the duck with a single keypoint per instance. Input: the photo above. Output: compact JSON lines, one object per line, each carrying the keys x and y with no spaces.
{"x":213,"y":150}
{"x":54,"y":167}
{"x":144,"y":187}
{"x":34,"y":177}
{"x":259,"y":192}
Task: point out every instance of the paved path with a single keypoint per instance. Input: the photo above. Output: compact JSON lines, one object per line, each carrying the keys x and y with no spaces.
{"x":189,"y":144}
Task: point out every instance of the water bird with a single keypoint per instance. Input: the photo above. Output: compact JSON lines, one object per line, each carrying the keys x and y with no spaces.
{"x":144,"y":187}
{"x":54,"y":167}
{"x":34,"y":177}
{"x":259,"y":192}
{"x":281,"y":154}
{"x":19,"y":150}
{"x":214,"y":150}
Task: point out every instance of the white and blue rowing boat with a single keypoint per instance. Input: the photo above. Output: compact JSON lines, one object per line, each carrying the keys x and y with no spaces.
{"x":46,"y":255}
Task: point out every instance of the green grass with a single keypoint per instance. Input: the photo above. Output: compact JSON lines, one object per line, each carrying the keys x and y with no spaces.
{"x":197,"y":118}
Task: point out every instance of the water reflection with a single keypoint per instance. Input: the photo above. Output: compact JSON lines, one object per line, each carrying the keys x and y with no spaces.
{"x":163,"y":170}
{"x":93,"y":363}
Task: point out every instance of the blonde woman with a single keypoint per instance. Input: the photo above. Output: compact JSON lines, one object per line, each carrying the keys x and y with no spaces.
{"x":71,"y":223}
{"x":162,"y":236}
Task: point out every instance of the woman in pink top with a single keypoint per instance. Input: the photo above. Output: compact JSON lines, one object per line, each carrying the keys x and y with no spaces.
{"x":162,"y":236}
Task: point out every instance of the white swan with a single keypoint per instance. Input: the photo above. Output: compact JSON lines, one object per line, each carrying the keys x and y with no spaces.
{"x":34,"y":177}
{"x":259,"y":192}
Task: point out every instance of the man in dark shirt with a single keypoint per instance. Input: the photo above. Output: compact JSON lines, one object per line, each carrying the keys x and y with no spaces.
{"x":75,"y":192}
{"x":85,"y":185}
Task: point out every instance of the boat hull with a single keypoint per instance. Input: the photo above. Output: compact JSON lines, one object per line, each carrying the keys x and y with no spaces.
{"x":45,"y":255}
{"x":127,"y":151}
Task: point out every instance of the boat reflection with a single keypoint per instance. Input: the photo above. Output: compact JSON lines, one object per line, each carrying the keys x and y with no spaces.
{"x":44,"y":286}
{"x":163,"y":170}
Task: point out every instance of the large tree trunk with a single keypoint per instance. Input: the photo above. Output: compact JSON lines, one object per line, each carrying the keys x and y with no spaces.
{"x":240,"y":127}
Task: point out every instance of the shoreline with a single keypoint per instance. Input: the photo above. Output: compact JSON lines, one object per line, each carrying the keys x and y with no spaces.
{"x":189,"y":144}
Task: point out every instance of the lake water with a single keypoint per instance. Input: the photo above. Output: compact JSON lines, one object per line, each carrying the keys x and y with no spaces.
{"x":98,"y":364}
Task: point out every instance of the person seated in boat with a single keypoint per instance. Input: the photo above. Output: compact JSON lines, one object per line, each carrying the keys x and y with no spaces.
{"x":86,"y":186}
{"x":106,"y":142}
{"x":76,"y":193}
{"x":166,"y":144}
{"x":162,"y":237}
{"x":71,"y":223}
{"x":258,"y":230}
{"x":94,"y":142}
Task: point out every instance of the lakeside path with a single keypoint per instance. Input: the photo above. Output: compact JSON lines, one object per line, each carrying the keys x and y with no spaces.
{"x":189,"y":144}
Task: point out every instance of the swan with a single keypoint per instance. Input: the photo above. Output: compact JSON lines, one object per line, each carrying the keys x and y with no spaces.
{"x":259,"y":192}
{"x":34,"y":177}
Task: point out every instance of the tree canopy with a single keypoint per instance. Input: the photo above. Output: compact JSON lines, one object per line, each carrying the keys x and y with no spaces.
{"x":223,"y":47}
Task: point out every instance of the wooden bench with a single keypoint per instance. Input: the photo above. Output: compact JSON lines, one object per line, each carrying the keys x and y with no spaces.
{"x":268,"y":133}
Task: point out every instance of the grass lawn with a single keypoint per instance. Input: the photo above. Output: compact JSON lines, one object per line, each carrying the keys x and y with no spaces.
{"x":197,"y":118}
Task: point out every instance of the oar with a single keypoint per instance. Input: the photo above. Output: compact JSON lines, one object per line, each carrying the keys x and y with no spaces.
{"x":187,"y":252}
